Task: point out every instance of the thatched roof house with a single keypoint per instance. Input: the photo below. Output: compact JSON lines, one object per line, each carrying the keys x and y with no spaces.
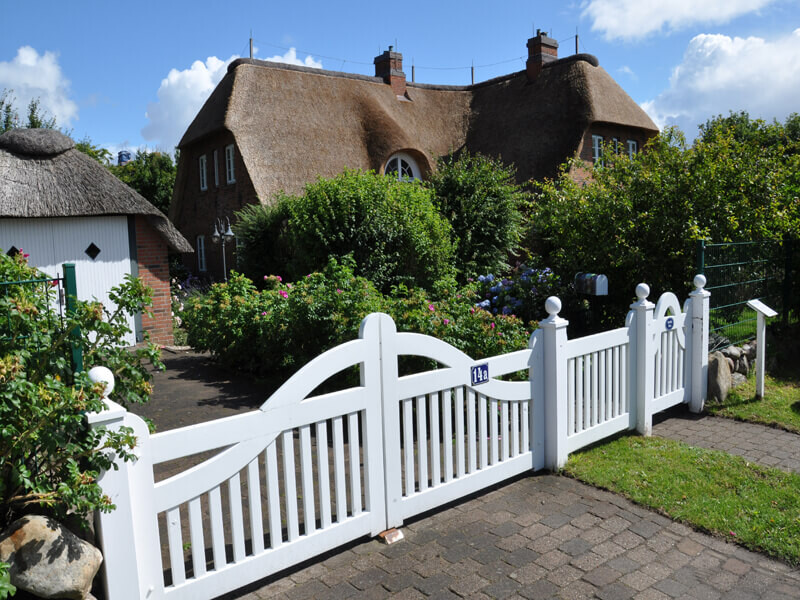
{"x":60,"y":205}
{"x":269,"y":127}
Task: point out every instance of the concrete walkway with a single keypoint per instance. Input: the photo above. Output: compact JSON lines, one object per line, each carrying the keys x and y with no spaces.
{"x":539,"y":536}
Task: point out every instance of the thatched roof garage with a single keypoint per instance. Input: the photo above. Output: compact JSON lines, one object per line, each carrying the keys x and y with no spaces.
{"x":43,"y":175}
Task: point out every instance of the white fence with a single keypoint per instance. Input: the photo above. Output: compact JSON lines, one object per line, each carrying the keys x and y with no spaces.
{"x":305,"y":474}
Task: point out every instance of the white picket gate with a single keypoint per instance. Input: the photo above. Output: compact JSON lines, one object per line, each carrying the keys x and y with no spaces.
{"x":305,"y":474}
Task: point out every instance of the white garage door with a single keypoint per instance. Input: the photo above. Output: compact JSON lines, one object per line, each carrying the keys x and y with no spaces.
{"x":98,"y":246}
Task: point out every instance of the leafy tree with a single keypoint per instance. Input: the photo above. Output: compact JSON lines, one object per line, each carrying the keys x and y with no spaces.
{"x":101,"y":155}
{"x":9,"y":118}
{"x":152,"y":174}
{"x":481,"y":200}
{"x":38,"y":118}
{"x":637,"y":220}
{"x":262,"y":231}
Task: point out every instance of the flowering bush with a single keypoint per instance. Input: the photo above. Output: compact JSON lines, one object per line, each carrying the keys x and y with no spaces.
{"x":522,"y":293}
{"x":49,"y":458}
{"x":283,"y":326}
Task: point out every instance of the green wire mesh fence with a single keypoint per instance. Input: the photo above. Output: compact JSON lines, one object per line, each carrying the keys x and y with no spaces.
{"x":742,"y":271}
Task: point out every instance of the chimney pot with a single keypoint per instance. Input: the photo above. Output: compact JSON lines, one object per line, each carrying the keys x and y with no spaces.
{"x":542,"y":49}
{"x":389,"y":67}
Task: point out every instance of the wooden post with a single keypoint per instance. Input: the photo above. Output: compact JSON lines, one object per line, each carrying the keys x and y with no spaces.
{"x":71,"y":292}
{"x":554,"y":336}
{"x":128,"y":535}
{"x":644,"y":365}
{"x":701,"y":302}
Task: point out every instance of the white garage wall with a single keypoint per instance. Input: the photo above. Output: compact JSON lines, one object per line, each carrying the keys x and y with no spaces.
{"x":53,"y":242}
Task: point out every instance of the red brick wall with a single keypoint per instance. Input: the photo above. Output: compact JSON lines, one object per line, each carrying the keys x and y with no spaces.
{"x":197,"y":210}
{"x":151,"y":252}
{"x":609,"y":132}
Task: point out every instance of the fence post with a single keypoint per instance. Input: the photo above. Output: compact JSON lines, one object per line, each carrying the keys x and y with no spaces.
{"x":700,"y":309}
{"x":554,"y":334}
{"x":128,"y":535}
{"x":700,"y":256}
{"x":645,"y":366}
{"x":788,"y":250}
{"x":71,"y":292}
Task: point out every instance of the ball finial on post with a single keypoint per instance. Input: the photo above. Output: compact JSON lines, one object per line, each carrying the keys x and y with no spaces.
{"x":700,"y":281}
{"x":104,"y":375}
{"x":552,"y":305}
{"x":642,"y":291}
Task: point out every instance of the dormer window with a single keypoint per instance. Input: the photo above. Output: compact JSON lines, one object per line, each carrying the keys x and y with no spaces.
{"x":402,"y":167}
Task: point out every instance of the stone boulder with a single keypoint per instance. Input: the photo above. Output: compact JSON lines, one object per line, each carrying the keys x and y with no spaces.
{"x":47,"y":559}
{"x":719,"y":377}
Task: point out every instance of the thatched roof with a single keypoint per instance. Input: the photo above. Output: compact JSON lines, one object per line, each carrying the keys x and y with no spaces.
{"x":293,"y":124}
{"x":43,"y":175}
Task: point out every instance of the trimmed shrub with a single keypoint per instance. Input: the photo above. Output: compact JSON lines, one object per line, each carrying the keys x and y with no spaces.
{"x":482,"y":202}
{"x":391,"y":228}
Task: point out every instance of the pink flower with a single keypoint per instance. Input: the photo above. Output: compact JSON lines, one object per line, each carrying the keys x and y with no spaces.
{"x":284,"y":293}
{"x":309,"y":275}
{"x":472,"y":310}
{"x":446,"y":321}
{"x":263,"y":314}
{"x":492,"y":325}
{"x":289,"y":285}
{"x":431,"y":307}
{"x":338,"y":291}
{"x":266,"y":277}
{"x":278,"y":277}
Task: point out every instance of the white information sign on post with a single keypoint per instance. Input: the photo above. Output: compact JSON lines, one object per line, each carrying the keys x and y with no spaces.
{"x":763,"y":311}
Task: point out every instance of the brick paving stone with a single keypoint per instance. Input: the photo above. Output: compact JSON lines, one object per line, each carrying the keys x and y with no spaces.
{"x":538,"y":590}
{"x":564,"y":575}
{"x":623,"y":564}
{"x":429,"y":585}
{"x":575,"y":547}
{"x":521,"y":556}
{"x":502,"y":588}
{"x":463,"y":586}
{"x":528,"y":574}
{"x":602,"y":576}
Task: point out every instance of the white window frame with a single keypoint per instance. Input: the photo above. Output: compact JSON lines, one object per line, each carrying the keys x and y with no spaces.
{"x":412,"y":164}
{"x":230,"y":176}
{"x":597,"y":149}
{"x":201,"y":253}
{"x":203,"y":175}
{"x":633,"y":148}
{"x":617,"y":145}
{"x":216,"y":170}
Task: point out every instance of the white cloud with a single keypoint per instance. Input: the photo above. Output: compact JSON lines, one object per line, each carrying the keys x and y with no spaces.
{"x":180,"y":97}
{"x":719,"y":74}
{"x":182,"y":94}
{"x":32,"y":75}
{"x":634,"y":19}
{"x":626,"y":70}
{"x":290,"y":57}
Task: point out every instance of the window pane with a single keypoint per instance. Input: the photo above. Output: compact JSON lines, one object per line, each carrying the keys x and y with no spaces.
{"x":391,"y":167}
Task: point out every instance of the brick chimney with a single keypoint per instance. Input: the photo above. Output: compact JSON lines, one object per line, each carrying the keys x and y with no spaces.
{"x":541,"y":50}
{"x":389,"y":66}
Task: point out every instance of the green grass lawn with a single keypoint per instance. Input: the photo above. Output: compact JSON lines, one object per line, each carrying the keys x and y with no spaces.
{"x":755,"y":506}
{"x":780,"y":406}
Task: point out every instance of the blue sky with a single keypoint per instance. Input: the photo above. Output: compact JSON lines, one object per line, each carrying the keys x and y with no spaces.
{"x":130,"y":75}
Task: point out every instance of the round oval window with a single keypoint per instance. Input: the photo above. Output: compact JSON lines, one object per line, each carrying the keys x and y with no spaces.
{"x":402,"y":167}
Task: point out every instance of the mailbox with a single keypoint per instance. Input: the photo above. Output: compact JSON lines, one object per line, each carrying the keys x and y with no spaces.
{"x":592,"y":284}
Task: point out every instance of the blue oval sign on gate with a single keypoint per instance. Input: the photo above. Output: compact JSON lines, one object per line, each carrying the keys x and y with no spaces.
{"x":670,"y":324}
